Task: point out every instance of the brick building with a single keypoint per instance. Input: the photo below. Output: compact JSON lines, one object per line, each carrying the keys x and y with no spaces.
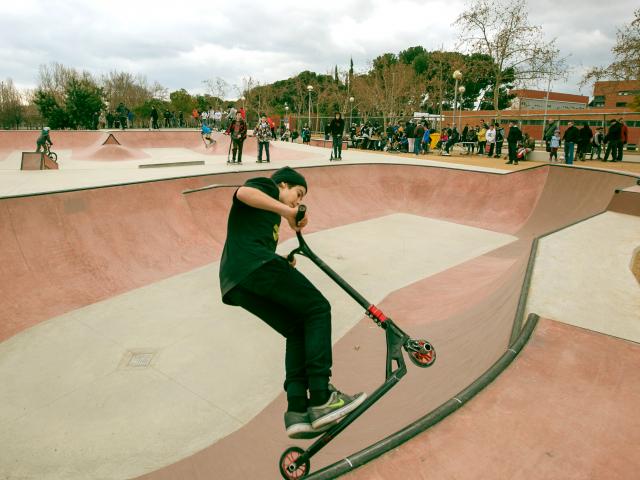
{"x":536,"y":99}
{"x":614,"y":94}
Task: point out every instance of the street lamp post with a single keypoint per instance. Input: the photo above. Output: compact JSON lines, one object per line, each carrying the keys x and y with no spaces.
{"x":457,"y":75}
{"x":286,"y":115}
{"x":461,"y":90}
{"x":309,"y":89}
{"x":351,"y":100}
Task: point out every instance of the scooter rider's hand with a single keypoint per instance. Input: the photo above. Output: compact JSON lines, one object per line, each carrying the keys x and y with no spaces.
{"x":291,"y":219}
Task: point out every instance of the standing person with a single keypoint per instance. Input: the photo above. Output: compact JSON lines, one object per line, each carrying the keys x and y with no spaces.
{"x":263,"y":135}
{"x":570,"y":138}
{"x":596,"y":143}
{"x":306,"y":135}
{"x":254,"y":277}
{"x":482,"y":138}
{"x":426,"y":138}
{"x":624,"y":138}
{"x":43,"y":142}
{"x":410,"y":132}
{"x":554,"y":145}
{"x":613,"y":140}
{"x":154,"y":118}
{"x":585,"y":142}
{"x":130,"y":118}
{"x":238,"y":131}
{"x":167,"y":118}
{"x":490,"y":136}
{"x":513,"y":138}
{"x":499,"y":140}
{"x":336,"y":129}
{"x":272,"y":126}
{"x":419,"y":134}
{"x":121,"y":110}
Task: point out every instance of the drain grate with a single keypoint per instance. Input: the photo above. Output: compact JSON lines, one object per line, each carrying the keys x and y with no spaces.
{"x":140,"y":360}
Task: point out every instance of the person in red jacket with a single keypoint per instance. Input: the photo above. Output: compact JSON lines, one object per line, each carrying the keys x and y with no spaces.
{"x":624,"y":137}
{"x":238,"y":131}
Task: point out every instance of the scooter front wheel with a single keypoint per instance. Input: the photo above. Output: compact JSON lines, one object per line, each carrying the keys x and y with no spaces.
{"x":421,"y":353}
{"x":289,"y":467}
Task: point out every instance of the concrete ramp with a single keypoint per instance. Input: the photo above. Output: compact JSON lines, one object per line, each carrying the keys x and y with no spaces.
{"x":112,"y":327}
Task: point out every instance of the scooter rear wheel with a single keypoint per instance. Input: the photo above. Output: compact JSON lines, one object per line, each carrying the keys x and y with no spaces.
{"x":425,"y":356}
{"x":289,"y":468}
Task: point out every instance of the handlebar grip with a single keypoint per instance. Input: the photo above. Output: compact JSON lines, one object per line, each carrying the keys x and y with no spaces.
{"x":302,"y":211}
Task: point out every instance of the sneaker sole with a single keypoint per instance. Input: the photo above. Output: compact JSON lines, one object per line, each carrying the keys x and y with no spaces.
{"x":338,"y":414}
{"x":304,"y":431}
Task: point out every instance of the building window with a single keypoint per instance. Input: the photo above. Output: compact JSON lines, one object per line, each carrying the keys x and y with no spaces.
{"x":621,"y":104}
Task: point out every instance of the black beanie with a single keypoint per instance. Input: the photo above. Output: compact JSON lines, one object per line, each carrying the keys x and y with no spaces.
{"x":290,"y":176}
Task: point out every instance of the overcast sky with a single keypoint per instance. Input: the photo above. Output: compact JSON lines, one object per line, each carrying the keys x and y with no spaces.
{"x":181,"y":43}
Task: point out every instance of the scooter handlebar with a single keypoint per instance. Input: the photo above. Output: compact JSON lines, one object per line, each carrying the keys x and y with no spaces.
{"x":302,"y":211}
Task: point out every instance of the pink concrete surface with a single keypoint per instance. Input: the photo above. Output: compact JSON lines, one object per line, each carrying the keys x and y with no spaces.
{"x":74,"y":248}
{"x":105,"y":241}
{"x":565,"y":409}
{"x":25,"y":140}
{"x":90,"y":145}
{"x":626,"y":201}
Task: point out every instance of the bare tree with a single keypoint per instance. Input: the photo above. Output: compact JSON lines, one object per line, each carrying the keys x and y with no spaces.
{"x":124,"y":87}
{"x":218,"y":88}
{"x":390,"y":90}
{"x":626,"y":54}
{"x":11,"y":105}
{"x":53,"y":79}
{"x":501,"y":29}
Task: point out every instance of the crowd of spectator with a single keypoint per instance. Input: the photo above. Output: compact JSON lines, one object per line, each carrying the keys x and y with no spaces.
{"x":581,"y":142}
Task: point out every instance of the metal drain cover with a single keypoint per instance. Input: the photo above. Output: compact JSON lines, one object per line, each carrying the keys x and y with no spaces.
{"x":140,"y":360}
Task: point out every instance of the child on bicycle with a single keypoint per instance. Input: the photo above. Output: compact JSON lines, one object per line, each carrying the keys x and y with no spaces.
{"x":255,"y":278}
{"x":44,"y":141}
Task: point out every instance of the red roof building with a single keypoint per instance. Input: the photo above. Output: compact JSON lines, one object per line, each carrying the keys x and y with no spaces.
{"x":536,"y":99}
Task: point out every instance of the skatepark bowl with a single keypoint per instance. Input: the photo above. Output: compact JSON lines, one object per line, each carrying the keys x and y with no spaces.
{"x":118,"y":359}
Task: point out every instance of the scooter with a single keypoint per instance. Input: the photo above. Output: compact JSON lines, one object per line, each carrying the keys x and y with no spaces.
{"x":295,"y":462}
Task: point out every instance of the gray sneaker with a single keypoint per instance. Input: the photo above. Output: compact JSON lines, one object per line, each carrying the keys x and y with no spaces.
{"x":298,"y":425}
{"x":338,"y":406}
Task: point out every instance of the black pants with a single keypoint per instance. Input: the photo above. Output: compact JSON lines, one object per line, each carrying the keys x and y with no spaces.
{"x":285,"y":300}
{"x":513,"y":151}
{"x":237,"y":148}
{"x":499,"y":149}
{"x":614,"y":147}
{"x":337,"y":146}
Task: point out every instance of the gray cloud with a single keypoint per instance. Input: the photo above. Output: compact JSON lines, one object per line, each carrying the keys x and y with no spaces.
{"x":180,"y":45}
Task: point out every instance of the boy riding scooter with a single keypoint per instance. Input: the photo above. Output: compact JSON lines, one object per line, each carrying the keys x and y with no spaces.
{"x":255,"y":278}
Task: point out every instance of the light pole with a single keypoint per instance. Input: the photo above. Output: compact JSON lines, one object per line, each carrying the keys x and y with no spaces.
{"x":351,"y":100}
{"x":457,"y":75}
{"x":309,"y":89}
{"x":461,"y":90}
{"x":286,"y":115}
